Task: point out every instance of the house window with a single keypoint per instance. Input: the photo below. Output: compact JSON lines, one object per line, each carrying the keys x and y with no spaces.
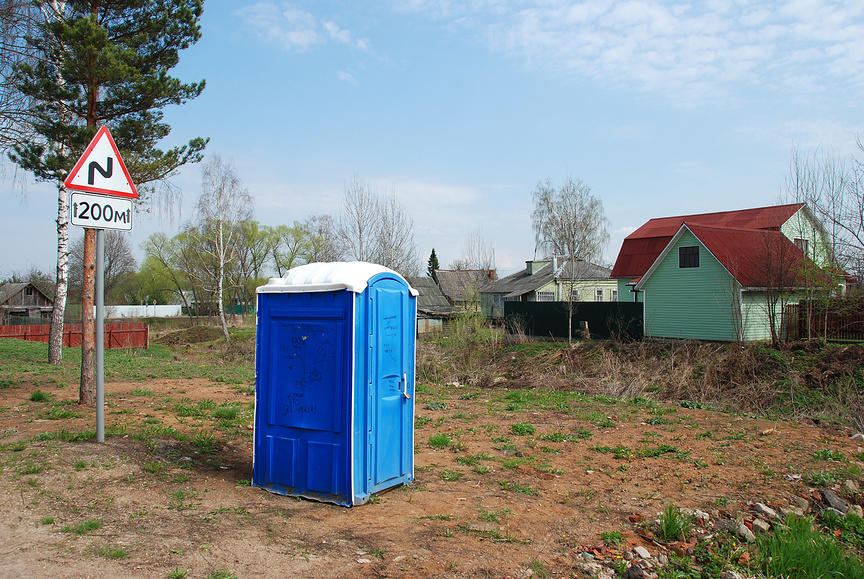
{"x":614,"y":295}
{"x":688,"y":256}
{"x":512,"y":299}
{"x":497,"y":301}
{"x":545,"y":296}
{"x":598,"y":295}
{"x":28,"y":291}
{"x":574,"y":295}
{"x":802,"y":244}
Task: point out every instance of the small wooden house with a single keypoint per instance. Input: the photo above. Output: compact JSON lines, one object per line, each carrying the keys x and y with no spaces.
{"x":433,"y":309}
{"x":22,"y":303}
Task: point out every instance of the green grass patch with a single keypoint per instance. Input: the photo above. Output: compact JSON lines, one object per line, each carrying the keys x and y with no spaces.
{"x":83,"y":527}
{"x":673,"y":524}
{"x":517,"y":488}
{"x":59,"y":413}
{"x":142,"y":392}
{"x":439,"y":441}
{"x":39,"y":396}
{"x":828,"y":454}
{"x":797,"y":549}
{"x":612,"y":537}
{"x":113,"y":552}
{"x":493,"y":516}
{"x":849,"y":529}
{"x":523,"y":429}
{"x":451,"y":475}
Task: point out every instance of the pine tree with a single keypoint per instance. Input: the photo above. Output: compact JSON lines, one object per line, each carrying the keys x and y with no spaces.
{"x":432,"y":264}
{"x":105,"y":62}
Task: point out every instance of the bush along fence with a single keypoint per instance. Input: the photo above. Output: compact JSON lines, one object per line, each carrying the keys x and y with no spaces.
{"x":118,"y":336}
{"x":839,"y":320}
{"x":605,"y":320}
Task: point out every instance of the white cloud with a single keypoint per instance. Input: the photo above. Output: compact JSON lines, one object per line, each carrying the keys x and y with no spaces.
{"x":691,"y":51}
{"x":294,"y":28}
{"x":346,"y":77}
{"x":290,"y":27}
{"x":337,"y":33}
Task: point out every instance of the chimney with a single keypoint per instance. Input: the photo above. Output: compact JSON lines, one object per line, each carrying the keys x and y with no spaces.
{"x":492,"y":275}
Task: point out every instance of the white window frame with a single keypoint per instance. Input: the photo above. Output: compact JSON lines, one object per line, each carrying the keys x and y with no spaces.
{"x":545,"y":296}
{"x":598,"y":295}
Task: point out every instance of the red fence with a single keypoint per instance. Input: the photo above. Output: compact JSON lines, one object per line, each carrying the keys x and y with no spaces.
{"x":118,"y":336}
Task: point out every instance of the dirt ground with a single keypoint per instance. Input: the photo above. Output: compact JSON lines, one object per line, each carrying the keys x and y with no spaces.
{"x":170,"y":491}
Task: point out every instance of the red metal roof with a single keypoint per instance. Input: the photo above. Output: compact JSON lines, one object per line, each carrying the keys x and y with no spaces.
{"x":642,"y":247}
{"x":756,"y":257}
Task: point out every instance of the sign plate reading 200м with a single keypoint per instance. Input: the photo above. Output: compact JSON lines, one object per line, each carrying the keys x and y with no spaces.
{"x":100,"y":170}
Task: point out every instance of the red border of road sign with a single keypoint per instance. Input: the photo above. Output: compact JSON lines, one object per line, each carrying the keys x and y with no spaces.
{"x":88,"y":189}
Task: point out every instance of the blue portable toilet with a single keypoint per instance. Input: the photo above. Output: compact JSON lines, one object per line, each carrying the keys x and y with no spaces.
{"x":334,"y":384}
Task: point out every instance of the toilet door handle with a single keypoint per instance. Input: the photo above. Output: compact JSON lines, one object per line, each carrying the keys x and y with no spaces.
{"x":405,"y":386}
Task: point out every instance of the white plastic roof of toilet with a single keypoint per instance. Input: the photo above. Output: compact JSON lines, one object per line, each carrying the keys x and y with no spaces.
{"x":324,"y":277}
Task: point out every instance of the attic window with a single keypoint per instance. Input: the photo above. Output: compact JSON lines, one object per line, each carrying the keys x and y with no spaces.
{"x":28,"y":291}
{"x":802,"y":244}
{"x":688,"y":256}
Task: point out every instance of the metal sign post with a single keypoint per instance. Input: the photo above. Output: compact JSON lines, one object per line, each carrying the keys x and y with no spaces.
{"x":100,"y":335}
{"x":100,"y":170}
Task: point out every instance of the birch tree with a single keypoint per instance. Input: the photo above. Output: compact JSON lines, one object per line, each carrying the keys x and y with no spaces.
{"x":570,"y":222}
{"x":223,"y":205}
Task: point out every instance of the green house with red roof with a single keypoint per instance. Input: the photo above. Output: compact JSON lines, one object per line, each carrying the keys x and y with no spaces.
{"x":726,"y":275}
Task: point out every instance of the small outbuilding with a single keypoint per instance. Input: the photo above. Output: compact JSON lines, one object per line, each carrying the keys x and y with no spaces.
{"x":23,"y":303}
{"x":334,"y":392}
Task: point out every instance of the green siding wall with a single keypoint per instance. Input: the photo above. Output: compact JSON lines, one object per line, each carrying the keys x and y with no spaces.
{"x":692,"y":303}
{"x":755,"y":310}
{"x":755,"y":314}
{"x":624,"y":293}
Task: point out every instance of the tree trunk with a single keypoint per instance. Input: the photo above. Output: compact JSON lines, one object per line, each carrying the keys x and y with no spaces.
{"x":55,"y":337}
{"x":219,"y":283}
{"x":87,"y":388}
{"x":86,"y":392}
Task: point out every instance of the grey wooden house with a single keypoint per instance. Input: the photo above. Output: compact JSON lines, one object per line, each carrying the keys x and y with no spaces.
{"x":23,"y":303}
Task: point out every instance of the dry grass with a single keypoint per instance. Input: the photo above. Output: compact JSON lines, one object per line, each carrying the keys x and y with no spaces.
{"x":802,"y":380}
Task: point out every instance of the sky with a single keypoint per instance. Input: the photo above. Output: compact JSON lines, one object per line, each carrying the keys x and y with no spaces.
{"x":460,"y":108}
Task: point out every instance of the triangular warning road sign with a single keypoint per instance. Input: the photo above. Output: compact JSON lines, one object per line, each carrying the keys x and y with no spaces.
{"x":101,"y":170}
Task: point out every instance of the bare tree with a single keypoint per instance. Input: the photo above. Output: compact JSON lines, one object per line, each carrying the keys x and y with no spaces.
{"x":358,"y":221}
{"x":833,"y":187}
{"x":478,"y":261}
{"x":325,"y":244}
{"x":569,"y":221}
{"x":376,"y":228}
{"x":118,"y":260}
{"x":223,"y":204}
{"x":394,"y":237}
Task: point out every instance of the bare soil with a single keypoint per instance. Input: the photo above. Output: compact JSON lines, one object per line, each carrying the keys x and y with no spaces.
{"x":515,"y":504}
